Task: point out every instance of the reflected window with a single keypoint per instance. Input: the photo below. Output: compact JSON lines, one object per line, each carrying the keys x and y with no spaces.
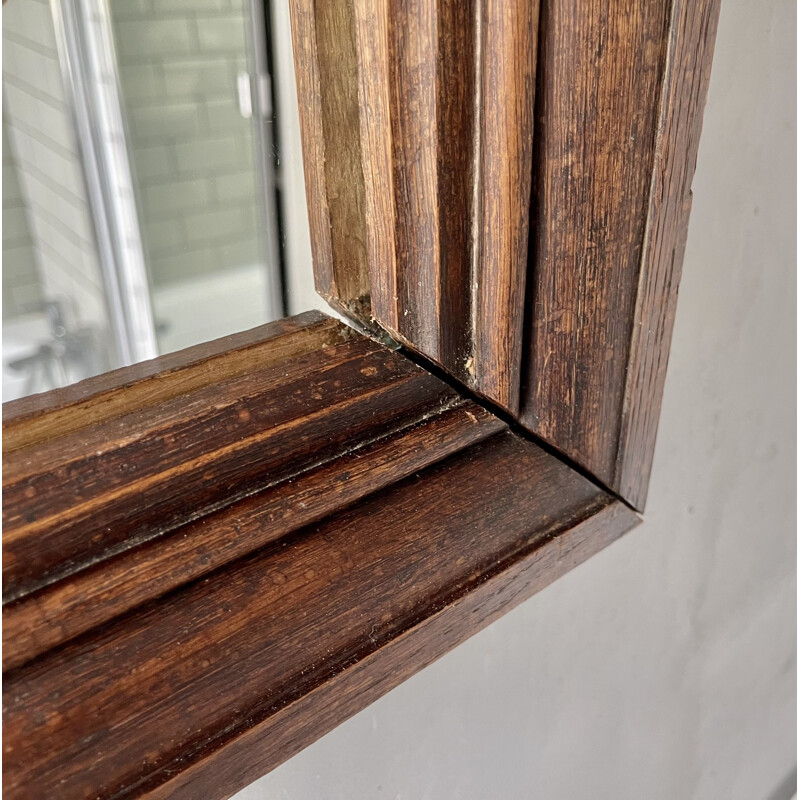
{"x":143,"y":196}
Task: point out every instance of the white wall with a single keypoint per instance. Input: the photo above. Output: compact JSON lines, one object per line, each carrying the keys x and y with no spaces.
{"x":665,"y":667}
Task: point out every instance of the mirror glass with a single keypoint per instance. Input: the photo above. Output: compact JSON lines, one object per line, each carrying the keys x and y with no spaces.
{"x":153,"y":192}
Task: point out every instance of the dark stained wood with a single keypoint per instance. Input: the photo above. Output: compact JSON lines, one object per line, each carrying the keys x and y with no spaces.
{"x":417,"y":123}
{"x":209,"y":566}
{"x":128,"y":478}
{"x":212,"y":559}
{"x":49,"y":414}
{"x":304,"y":718}
{"x":257,"y":659}
{"x":418,"y":133}
{"x":92,"y":596}
{"x":600,"y":70}
{"x":508,"y":43}
{"x":621,"y":89}
{"x":689,"y":52}
{"x":77,"y":498}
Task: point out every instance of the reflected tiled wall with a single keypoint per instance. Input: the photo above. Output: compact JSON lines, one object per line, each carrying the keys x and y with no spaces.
{"x":22,"y":292}
{"x":191,"y":150}
{"x":42,"y":138}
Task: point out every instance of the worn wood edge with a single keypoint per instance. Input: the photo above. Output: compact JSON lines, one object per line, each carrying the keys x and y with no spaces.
{"x":312,"y":141}
{"x":285,"y":618}
{"x":328,"y":92}
{"x":509,"y":42}
{"x":690,"y":51}
{"x":379,"y":392}
{"x":337,"y":67}
{"x":322,"y":707}
{"x":73,"y":506}
{"x":134,"y":423}
{"x":93,"y":596}
{"x":413,"y":229}
{"x":32,"y":419}
{"x":600,"y":72}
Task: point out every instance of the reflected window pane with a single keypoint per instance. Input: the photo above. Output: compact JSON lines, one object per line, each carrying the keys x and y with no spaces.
{"x":140,"y":197}
{"x":200,"y":138}
{"x":55,"y":315}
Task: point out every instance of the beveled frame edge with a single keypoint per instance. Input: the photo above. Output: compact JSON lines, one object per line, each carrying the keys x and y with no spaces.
{"x":308,"y":716}
{"x":407,"y":187}
{"x":274,"y":417}
{"x":451,"y":431}
{"x":690,"y":50}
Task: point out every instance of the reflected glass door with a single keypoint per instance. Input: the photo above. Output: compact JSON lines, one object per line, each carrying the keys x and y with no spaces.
{"x":57,"y":325}
{"x":197,"y":102}
{"x":139,"y":184}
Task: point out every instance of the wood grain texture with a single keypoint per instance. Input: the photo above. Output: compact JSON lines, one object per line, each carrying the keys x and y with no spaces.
{"x":688,"y":69}
{"x":74,"y":499}
{"x":212,"y":559}
{"x":309,"y":95}
{"x":304,"y":718}
{"x":92,"y":596}
{"x":621,"y":89}
{"x":201,"y":690}
{"x":323,"y":34}
{"x":418,"y":132}
{"x":54,"y":413}
{"x":508,"y":53}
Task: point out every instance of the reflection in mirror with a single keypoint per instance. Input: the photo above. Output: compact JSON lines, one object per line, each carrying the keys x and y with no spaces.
{"x":145,"y":207}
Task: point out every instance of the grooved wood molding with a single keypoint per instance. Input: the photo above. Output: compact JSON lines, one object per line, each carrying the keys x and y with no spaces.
{"x":213,"y":558}
{"x":517,"y":217}
{"x":198,"y":586}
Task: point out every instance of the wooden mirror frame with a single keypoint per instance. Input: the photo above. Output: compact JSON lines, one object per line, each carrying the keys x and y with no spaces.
{"x":213,"y":558}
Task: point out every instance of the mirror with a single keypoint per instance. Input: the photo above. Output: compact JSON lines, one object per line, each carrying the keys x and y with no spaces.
{"x":153,"y":190}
